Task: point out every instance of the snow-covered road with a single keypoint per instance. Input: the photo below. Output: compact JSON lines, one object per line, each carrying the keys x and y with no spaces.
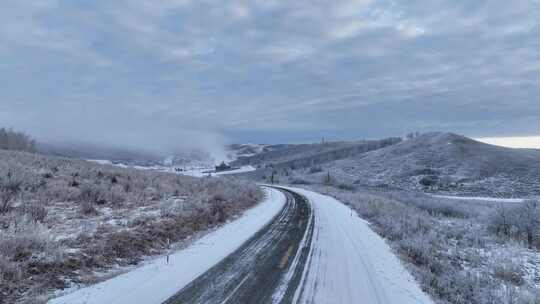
{"x":350,"y":263}
{"x":313,"y":250}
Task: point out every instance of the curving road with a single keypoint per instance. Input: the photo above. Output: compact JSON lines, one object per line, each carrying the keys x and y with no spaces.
{"x":315,"y":251}
{"x":266,"y":269}
{"x":298,"y":247}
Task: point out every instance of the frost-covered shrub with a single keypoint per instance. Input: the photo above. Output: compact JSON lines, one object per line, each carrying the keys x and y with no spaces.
{"x":418,"y":248}
{"x":36,"y":299}
{"x":528,"y":222}
{"x":50,"y":191}
{"x":34,"y":210}
{"x":521,"y":222}
{"x":502,"y":220}
{"x":9,"y":270}
{"x":10,"y":186}
{"x":509,"y":272}
{"x":28,"y":255}
{"x":200,"y":205}
{"x":91,"y":193}
{"x":444,"y":209}
{"x":127,"y":245}
{"x":116,"y":195}
{"x":88,"y":208}
{"x":20,"y":241}
{"x":437,"y":206}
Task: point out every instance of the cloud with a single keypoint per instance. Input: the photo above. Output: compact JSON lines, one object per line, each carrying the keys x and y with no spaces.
{"x":123,"y":71}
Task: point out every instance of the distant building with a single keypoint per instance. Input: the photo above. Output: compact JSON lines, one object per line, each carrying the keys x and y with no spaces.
{"x":223,"y":167}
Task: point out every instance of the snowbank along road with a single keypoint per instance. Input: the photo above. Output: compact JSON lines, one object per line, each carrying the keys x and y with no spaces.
{"x":315,"y":250}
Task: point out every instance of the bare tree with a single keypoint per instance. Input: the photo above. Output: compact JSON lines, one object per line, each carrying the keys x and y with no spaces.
{"x":528,"y":221}
{"x":521,"y":222}
{"x":13,"y":140}
{"x":501,"y":220}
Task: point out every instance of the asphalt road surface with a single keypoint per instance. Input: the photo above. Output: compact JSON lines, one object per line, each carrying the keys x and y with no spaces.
{"x":266,"y":269}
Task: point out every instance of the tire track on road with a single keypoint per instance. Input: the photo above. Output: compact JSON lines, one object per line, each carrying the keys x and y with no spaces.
{"x":272,"y":261}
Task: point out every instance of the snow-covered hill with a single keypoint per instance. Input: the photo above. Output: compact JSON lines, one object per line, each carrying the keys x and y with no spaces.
{"x":448,"y":162}
{"x":436,"y":162}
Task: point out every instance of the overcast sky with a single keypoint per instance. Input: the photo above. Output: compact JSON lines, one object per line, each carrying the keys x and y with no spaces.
{"x":158,"y":72}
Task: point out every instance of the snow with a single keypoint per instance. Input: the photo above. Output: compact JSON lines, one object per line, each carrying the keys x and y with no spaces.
{"x":200,"y":172}
{"x":350,"y":262}
{"x":107,"y":162}
{"x":483,"y":199}
{"x":100,"y":161}
{"x":527,"y":142}
{"x":197,"y":169}
{"x":156,"y":281}
{"x":242,"y":169}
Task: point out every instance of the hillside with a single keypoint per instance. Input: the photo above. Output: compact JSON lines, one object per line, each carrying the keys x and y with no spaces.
{"x":308,"y":155}
{"x":286,"y":152}
{"x":236,"y":151}
{"x":64,"y":222}
{"x":443,"y":162}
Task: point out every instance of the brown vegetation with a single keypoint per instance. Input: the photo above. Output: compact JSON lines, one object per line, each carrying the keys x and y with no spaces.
{"x":63,"y":219}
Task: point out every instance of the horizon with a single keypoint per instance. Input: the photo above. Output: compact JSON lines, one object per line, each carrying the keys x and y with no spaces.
{"x":518,"y":142}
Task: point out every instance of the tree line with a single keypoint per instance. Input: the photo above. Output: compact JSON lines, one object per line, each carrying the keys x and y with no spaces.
{"x":14,"y":140}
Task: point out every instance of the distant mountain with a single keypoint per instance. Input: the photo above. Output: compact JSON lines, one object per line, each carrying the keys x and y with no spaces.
{"x":443,"y":162}
{"x":307,"y":155}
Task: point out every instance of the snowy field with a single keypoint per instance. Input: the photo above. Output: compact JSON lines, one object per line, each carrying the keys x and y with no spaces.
{"x":200,"y":172}
{"x":195,"y":171}
{"x":157,"y":280}
{"x":482,"y":199}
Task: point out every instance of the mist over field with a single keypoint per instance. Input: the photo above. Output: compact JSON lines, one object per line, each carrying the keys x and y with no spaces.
{"x":154,"y":145}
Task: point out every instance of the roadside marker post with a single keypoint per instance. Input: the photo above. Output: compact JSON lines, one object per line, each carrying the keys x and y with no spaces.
{"x":168,"y":249}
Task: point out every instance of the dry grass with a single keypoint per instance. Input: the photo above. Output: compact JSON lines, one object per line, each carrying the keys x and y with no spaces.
{"x":64,"y":219}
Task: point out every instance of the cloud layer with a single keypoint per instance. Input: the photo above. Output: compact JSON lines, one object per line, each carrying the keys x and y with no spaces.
{"x":163,"y":72}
